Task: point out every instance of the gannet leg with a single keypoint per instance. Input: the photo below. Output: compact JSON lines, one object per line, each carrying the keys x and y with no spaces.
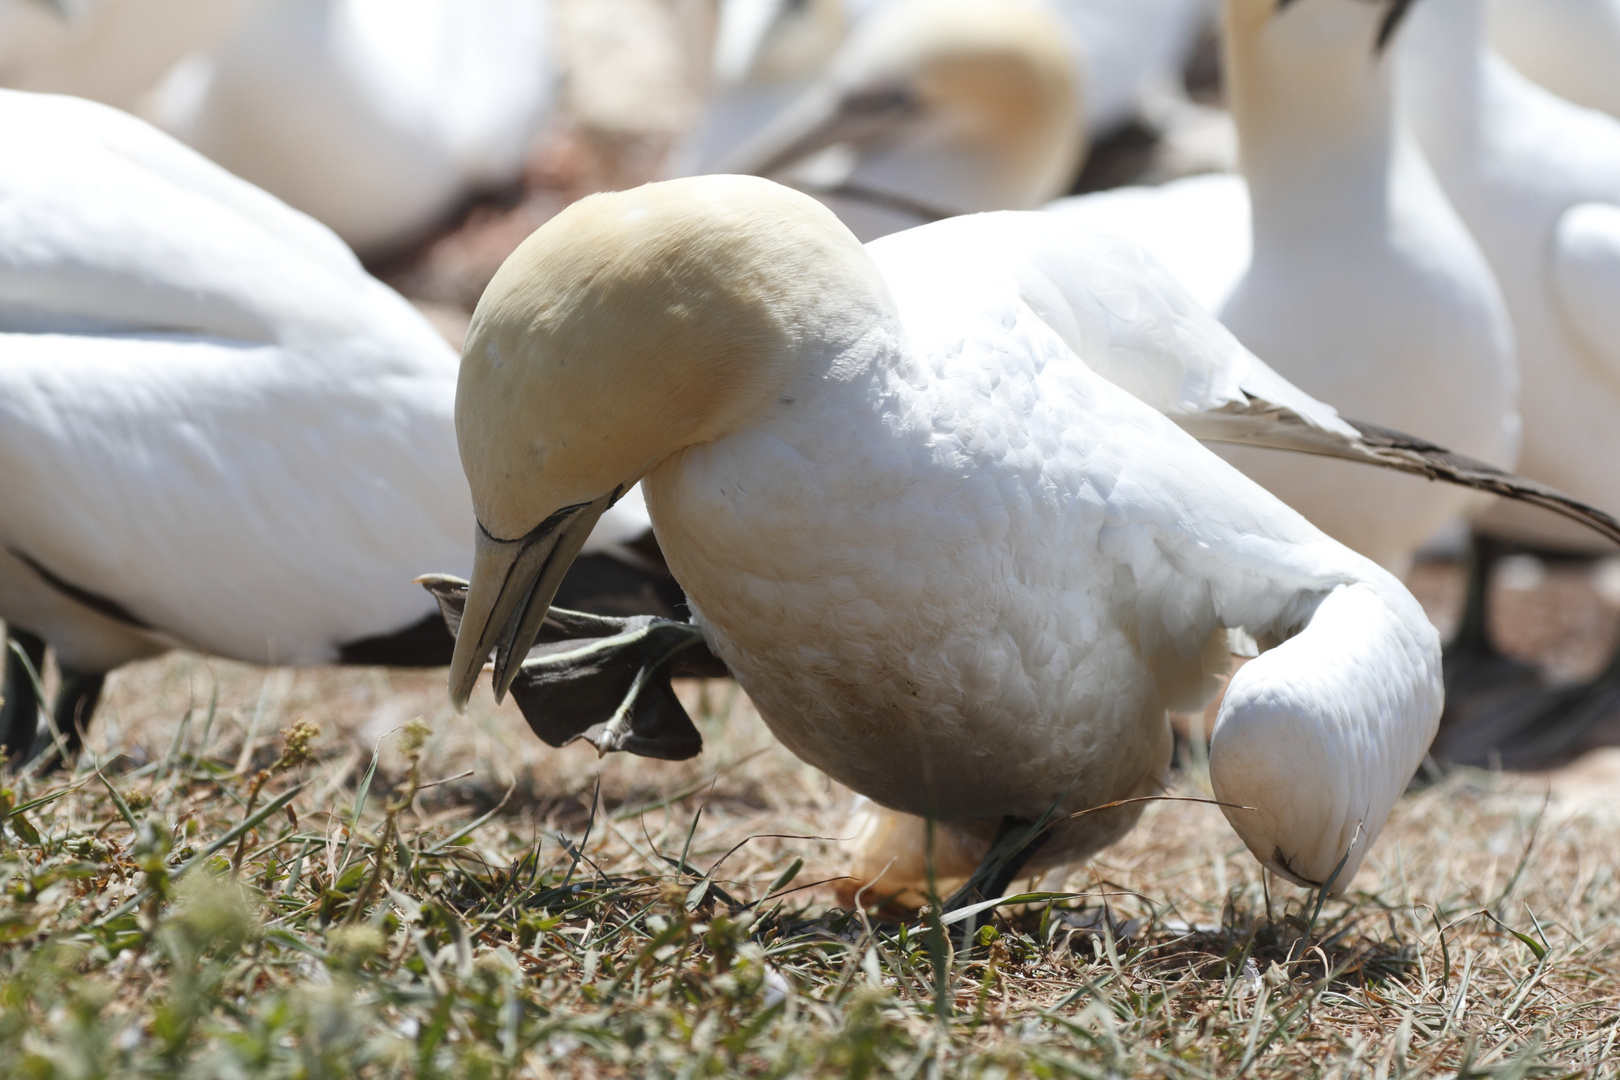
{"x":76,"y":703}
{"x":603,"y":679}
{"x":1502,"y":712}
{"x":1472,"y":663}
{"x":19,"y":710}
{"x":1016,"y":842}
{"x":1485,"y":690}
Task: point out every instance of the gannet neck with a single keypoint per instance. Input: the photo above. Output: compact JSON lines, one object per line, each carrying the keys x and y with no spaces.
{"x":636,"y":324}
{"x":1446,"y":69}
{"x":1313,"y":99}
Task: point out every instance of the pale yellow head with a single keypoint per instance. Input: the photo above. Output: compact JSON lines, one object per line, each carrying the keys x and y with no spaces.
{"x":631,"y":326}
{"x":637,"y":323}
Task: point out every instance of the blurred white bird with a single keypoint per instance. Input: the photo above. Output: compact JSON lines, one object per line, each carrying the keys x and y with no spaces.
{"x":216,"y":430}
{"x":1571,"y":47}
{"x":375,"y":116}
{"x":1361,"y":286}
{"x":932,"y":108}
{"x":1538,"y":181}
{"x":113,"y":51}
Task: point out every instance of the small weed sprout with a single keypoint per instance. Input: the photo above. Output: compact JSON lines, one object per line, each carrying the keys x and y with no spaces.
{"x":295,"y":751}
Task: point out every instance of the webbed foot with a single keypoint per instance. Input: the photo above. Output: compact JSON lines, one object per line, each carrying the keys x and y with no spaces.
{"x":602,"y":679}
{"x":1544,"y":729}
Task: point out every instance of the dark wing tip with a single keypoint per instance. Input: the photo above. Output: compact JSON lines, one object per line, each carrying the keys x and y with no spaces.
{"x":1438,"y":463}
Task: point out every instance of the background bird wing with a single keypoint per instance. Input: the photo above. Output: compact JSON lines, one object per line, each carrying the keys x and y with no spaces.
{"x":108,"y":225}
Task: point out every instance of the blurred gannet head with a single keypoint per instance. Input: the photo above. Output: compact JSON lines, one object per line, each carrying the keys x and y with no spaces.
{"x":631,"y":326}
{"x":962,"y":104}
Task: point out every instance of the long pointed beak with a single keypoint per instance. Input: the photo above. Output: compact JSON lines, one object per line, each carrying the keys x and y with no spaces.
{"x":513,"y":582}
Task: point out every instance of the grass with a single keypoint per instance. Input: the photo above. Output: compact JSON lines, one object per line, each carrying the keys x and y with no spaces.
{"x":463,"y":902}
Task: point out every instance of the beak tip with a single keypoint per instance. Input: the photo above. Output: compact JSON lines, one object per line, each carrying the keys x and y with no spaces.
{"x":502,"y":677}
{"x":461,"y":687}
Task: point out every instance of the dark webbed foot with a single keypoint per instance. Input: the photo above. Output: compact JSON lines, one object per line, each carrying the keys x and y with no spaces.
{"x":603,"y":679}
{"x":1545,"y":729}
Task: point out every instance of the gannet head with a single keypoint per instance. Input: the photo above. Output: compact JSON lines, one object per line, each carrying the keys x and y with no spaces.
{"x":631,"y":326}
{"x":973,"y":82}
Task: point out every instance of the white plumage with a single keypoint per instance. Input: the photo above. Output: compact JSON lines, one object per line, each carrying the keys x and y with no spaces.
{"x":1351,"y":273}
{"x":931,"y":519}
{"x":1199,"y":228}
{"x":765,"y":53}
{"x":374,"y":116}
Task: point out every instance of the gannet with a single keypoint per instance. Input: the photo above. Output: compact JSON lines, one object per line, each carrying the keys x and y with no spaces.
{"x":1354,"y":278}
{"x":932,"y":108}
{"x":1538,"y":181}
{"x":112,"y":51}
{"x":1571,"y":47}
{"x":931,"y":505}
{"x":375,"y":116}
{"x":216,"y":430}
